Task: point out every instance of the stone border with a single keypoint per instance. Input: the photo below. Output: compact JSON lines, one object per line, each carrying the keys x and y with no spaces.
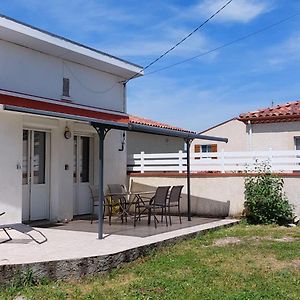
{"x":77,"y":268}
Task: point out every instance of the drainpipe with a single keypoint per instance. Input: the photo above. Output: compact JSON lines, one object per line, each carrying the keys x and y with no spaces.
{"x":250,"y":135}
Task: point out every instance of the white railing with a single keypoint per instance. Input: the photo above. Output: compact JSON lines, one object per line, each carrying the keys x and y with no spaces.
{"x":279,"y":161}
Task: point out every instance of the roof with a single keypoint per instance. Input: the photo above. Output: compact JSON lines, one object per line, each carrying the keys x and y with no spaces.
{"x":43,"y":41}
{"x":287,"y":112}
{"x":148,"y":122}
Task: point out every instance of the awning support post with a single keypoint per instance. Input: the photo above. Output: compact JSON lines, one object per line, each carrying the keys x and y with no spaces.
{"x":188,"y":167}
{"x":102,"y":131}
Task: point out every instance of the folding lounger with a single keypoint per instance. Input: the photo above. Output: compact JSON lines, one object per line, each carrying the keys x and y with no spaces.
{"x":25,"y":229}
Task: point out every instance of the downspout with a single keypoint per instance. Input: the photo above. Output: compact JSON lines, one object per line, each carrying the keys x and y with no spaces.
{"x":249,"y":135}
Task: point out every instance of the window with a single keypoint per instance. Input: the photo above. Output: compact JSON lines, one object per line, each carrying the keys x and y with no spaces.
{"x":66,"y":87}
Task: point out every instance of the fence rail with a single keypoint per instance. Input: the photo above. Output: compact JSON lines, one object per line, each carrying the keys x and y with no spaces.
{"x":279,"y":161}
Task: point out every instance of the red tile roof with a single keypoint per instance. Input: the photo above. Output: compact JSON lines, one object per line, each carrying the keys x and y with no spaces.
{"x":143,"y":121}
{"x":280,"y":113}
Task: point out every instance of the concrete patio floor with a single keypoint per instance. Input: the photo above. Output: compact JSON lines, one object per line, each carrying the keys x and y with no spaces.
{"x":74,"y":245}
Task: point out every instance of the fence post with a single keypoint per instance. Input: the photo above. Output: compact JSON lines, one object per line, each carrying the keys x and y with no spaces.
{"x":180,"y":161}
{"x":222,"y":161}
{"x":142,"y":162}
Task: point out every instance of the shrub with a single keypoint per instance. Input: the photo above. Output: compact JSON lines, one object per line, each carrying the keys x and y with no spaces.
{"x":265,"y":201}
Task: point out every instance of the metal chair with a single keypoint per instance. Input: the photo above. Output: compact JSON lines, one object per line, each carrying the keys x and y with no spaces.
{"x":174,"y":201}
{"x":94,"y":191}
{"x":117,"y":198}
{"x":158,"y":201}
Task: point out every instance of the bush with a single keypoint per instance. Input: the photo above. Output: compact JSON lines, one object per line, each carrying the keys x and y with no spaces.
{"x":265,"y":201}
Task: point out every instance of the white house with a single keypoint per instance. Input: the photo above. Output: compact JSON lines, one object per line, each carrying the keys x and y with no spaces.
{"x":276,"y":128}
{"x":47,"y":162}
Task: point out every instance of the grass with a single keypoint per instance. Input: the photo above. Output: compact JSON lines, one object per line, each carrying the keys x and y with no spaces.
{"x":241,"y":262}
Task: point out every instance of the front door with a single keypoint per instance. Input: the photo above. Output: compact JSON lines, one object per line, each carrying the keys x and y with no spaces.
{"x":35,"y":175}
{"x":82,"y":174}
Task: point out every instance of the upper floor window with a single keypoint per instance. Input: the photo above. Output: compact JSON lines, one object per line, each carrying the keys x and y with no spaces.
{"x":66,"y":87}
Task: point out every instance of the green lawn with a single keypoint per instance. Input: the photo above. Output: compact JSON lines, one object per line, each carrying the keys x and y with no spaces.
{"x":242,"y":262}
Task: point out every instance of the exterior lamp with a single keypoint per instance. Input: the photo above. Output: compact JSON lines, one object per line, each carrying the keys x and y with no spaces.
{"x":67,"y":133}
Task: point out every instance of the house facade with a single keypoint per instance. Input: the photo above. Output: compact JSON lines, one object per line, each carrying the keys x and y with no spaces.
{"x":47,"y":163}
{"x":276,"y":128}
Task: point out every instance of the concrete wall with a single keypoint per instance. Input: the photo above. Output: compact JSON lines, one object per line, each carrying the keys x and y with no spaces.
{"x":149,"y":143}
{"x":35,"y":73}
{"x":211,"y":193}
{"x":234,"y":130}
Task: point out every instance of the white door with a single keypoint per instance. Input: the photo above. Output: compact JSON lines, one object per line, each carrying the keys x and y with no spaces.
{"x":35,"y":175}
{"x":82,"y":174}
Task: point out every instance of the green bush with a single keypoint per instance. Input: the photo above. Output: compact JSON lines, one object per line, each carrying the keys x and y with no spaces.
{"x":265,"y":201}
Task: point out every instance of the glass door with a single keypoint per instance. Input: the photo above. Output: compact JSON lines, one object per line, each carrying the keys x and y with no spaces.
{"x":82,"y":174}
{"x":35,"y":175}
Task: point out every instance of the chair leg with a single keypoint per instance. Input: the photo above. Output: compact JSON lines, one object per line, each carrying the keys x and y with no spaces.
{"x":155,"y":219}
{"x":9,"y":237}
{"x":166,"y":217}
{"x":109,"y":214}
{"x":179,"y":213}
{"x":149,"y":216}
{"x":169,"y":213}
{"x":162,"y":215}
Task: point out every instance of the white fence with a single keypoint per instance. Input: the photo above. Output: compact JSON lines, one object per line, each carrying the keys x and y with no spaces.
{"x":279,"y":161}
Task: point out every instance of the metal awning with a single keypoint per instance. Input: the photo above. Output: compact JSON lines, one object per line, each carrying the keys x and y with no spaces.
{"x":103,"y":122}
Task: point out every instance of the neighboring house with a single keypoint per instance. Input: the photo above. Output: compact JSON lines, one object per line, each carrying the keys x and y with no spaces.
{"x":276,"y":128}
{"x":148,"y":143}
{"x":47,"y":163}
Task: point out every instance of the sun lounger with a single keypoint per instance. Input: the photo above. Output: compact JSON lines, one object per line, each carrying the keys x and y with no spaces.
{"x":25,"y":229}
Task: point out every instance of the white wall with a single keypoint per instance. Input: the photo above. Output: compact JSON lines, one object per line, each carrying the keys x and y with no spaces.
{"x":210,"y":193}
{"x":150,"y":143}
{"x":35,"y":73}
{"x":10,"y":176}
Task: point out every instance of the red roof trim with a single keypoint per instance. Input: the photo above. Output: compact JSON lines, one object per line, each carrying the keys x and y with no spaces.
{"x":60,"y":108}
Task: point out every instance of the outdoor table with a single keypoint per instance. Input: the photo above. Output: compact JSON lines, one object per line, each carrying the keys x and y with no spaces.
{"x":136,"y":200}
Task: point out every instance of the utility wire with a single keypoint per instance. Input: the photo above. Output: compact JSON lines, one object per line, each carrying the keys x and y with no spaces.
{"x":225,"y":45}
{"x":181,"y":41}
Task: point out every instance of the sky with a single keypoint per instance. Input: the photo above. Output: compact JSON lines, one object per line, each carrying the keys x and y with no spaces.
{"x":256,"y":72}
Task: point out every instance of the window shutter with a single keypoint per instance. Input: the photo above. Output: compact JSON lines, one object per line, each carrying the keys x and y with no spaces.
{"x":197,"y":148}
{"x":214,"y":148}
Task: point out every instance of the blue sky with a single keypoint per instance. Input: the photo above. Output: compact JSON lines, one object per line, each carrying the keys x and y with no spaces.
{"x":205,"y":91}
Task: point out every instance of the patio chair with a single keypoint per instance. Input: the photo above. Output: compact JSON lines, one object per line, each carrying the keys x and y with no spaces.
{"x":94,"y":191}
{"x":174,"y":201}
{"x":158,"y":201}
{"x":25,"y":229}
{"x":117,"y":199}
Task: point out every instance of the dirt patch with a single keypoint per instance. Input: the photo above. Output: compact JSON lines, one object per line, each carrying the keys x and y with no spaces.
{"x":227,"y":241}
{"x":285,"y":239}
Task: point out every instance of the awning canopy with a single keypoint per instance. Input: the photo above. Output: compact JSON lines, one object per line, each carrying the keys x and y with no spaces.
{"x":94,"y":116}
{"x":102,"y":121}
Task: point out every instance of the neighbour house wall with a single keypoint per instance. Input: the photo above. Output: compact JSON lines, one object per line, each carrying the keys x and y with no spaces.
{"x":35,"y":73}
{"x":149,"y":143}
{"x":214,"y":195}
{"x":234,"y":130}
{"x":278,"y":136}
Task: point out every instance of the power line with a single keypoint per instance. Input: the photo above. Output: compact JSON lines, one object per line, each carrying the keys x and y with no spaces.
{"x":181,"y":41}
{"x":224,"y":45}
